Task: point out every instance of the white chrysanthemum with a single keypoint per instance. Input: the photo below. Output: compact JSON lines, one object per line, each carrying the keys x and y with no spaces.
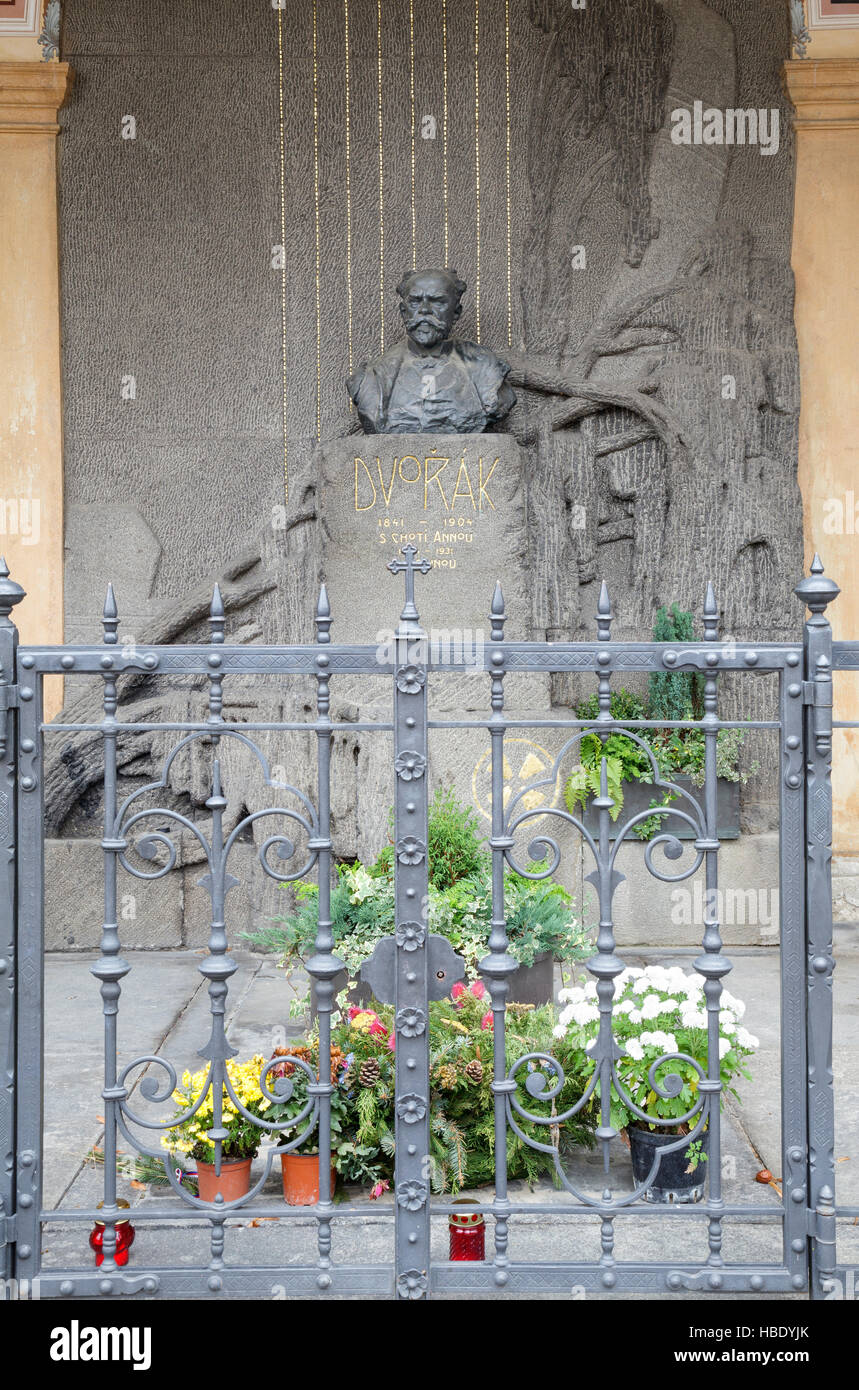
{"x":729,"y":1002}
{"x":656,"y":976}
{"x":665,"y":1041}
{"x":571,"y":996}
{"x":625,"y":1006}
{"x":590,"y":990}
{"x":559,"y":1031}
{"x":584,"y":1013}
{"x":627,"y":977}
{"x":635,"y":1016}
{"x":747,"y":1039}
{"x":650,"y":1006}
{"x":725,"y":1045}
{"x":635,"y":1049}
{"x":727,"y":1021}
{"x":693,"y":1018}
{"x":668,"y":1006}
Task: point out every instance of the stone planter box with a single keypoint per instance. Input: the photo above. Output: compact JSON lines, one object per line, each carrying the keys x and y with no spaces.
{"x":637,"y":797}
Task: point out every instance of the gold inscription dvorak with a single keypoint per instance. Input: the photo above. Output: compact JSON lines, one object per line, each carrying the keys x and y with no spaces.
{"x":377,"y":486}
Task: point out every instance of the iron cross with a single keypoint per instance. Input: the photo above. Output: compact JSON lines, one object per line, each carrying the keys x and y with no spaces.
{"x":409,"y":568}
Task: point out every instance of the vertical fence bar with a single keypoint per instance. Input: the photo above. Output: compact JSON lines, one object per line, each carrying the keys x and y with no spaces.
{"x":411,"y":888}
{"x":499,"y":965}
{"x":30,"y":980}
{"x":712,"y":964}
{"x":817,"y":592}
{"x":110,"y":968}
{"x":324,"y":965}
{"x":794,"y":1107}
{"x":10,"y":594}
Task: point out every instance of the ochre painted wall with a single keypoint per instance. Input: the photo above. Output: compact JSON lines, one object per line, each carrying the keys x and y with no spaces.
{"x":30,"y":403}
{"x":825,"y":93}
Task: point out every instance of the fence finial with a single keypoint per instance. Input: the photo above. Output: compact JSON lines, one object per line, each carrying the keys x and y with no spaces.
{"x":216,"y":616}
{"x":323,"y":617}
{"x":816,"y":591}
{"x":110,"y":618}
{"x":711,"y":615}
{"x":10,"y":592}
{"x":497,"y":614}
{"x":604,"y":615}
{"x":410,"y":566}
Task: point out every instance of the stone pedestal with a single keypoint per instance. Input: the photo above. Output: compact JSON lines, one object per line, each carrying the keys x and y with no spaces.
{"x":459,"y":499}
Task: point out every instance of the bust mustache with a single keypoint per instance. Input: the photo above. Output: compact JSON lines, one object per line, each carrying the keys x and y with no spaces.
{"x":432,"y":382}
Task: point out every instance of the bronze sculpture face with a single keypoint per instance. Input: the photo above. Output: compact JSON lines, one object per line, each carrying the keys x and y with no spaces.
{"x":430,"y":304}
{"x":432,"y":383}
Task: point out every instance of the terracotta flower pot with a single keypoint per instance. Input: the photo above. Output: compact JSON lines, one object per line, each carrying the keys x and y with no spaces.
{"x":233,"y":1183}
{"x":301,"y":1179}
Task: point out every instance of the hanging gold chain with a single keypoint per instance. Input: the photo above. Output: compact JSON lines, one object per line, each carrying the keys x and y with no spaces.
{"x":381,"y":180}
{"x":283,"y":253}
{"x":477,"y":157}
{"x":348,"y":181}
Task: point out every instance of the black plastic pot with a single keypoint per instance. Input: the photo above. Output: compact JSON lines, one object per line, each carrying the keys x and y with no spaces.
{"x":673,"y":1182}
{"x":534,"y":984}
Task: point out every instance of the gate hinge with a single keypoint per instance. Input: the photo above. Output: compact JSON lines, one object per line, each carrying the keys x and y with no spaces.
{"x":8,"y":1230}
{"x":8,"y":697}
{"x":817,"y":693}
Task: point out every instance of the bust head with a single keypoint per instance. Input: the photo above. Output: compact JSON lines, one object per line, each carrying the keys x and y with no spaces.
{"x":430,"y":304}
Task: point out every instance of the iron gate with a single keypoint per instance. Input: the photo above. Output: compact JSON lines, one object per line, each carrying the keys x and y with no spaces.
{"x":416,"y":966}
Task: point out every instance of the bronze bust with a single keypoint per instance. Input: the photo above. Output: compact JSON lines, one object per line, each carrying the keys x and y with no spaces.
{"x":432,"y":383}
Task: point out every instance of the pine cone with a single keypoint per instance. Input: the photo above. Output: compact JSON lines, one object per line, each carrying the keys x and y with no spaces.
{"x":370,"y":1072}
{"x":447,"y":1076}
{"x":474,"y":1071}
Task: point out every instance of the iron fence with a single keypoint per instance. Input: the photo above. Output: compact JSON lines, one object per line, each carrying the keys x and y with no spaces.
{"x":416,"y":966}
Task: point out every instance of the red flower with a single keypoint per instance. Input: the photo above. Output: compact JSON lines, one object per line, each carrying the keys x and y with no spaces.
{"x":377,"y":1026}
{"x":478,"y":989}
{"x":486,"y":1021}
{"x":379,"y":1188}
{"x":458,"y":991}
{"x":392,"y":1043}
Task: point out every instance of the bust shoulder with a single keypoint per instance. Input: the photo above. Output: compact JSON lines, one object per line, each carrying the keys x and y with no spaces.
{"x":480,"y":356}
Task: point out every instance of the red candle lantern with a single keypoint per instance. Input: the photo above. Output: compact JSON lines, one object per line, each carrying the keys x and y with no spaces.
{"x":124,"y":1238}
{"x":467,"y":1232}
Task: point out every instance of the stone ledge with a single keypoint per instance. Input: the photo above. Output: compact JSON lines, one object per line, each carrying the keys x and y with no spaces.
{"x":825,"y":93}
{"x":31,"y":94}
